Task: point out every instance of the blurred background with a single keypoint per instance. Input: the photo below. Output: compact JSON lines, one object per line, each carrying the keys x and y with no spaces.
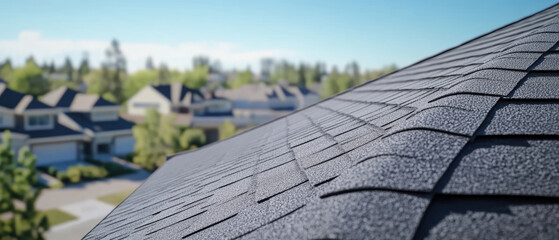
{"x":94,"y":95}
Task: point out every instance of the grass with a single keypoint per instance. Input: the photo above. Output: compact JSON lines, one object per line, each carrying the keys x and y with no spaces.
{"x":56,"y":216}
{"x":116,"y":198}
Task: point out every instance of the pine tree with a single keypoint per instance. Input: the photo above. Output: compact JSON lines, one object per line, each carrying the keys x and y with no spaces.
{"x":149,"y":64}
{"x":17,"y":184}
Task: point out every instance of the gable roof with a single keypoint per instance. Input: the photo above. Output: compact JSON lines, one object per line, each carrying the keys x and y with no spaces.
{"x":65,"y":97}
{"x":19,"y":102}
{"x":60,"y":97}
{"x":86,"y":102}
{"x":177,"y":93}
{"x":9,"y":98}
{"x":461,"y":145}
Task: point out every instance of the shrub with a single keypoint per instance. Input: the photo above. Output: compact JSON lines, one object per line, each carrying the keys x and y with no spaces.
{"x":112,"y":169}
{"x":62,"y":176}
{"x":192,"y":138}
{"x":51,"y":171}
{"x":93,"y":172}
{"x":74,"y":174}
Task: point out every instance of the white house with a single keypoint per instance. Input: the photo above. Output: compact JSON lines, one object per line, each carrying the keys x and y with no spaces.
{"x":171,"y":98}
{"x":98,"y":119}
{"x":35,"y":125}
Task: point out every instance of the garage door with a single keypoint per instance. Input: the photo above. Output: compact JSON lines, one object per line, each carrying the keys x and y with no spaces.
{"x":55,"y":152}
{"x":124,"y":145}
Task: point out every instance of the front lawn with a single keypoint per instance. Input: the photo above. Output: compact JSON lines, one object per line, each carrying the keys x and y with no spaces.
{"x":56,"y":216}
{"x":116,"y":198}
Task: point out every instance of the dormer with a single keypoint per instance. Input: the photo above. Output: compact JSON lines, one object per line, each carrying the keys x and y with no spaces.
{"x":36,"y":115}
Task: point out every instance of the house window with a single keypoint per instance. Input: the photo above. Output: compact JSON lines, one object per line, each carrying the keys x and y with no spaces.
{"x":103,"y":148}
{"x":104,"y":115}
{"x":39,"y":120}
{"x":146,"y":105}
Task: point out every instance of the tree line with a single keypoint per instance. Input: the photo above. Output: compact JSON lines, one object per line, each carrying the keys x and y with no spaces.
{"x":113,"y":82}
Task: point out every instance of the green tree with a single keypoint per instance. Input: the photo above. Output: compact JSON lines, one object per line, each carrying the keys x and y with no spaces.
{"x":302,"y":75}
{"x":227,"y":129}
{"x":330,"y":85}
{"x":18,"y":194}
{"x":113,"y":74}
{"x":29,"y":80}
{"x":68,"y":69}
{"x":31,"y":62}
{"x":96,"y":79}
{"x":155,"y":138}
{"x":137,"y":81}
{"x":242,"y":78}
{"x":83,"y":70}
{"x":163,"y":75}
{"x":200,"y":61}
{"x":374,"y":74}
{"x":149,"y":64}
{"x":196,"y":78}
{"x":6,"y":70}
{"x":192,"y":139}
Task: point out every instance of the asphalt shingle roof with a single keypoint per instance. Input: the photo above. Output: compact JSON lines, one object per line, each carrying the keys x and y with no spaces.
{"x":68,"y":98}
{"x":84,"y":121}
{"x":9,"y":98}
{"x":169,"y":90}
{"x":461,"y":145}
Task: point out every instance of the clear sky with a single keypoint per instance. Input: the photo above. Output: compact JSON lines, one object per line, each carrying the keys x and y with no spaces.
{"x":239,"y":33}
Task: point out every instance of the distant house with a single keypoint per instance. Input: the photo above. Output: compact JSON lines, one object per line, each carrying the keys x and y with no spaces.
{"x":171,"y":98}
{"x":305,"y":96}
{"x":261,"y":102}
{"x":97,"y":118}
{"x":36,"y":125}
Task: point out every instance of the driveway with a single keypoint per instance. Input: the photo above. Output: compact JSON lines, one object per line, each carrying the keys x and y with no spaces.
{"x":55,"y":198}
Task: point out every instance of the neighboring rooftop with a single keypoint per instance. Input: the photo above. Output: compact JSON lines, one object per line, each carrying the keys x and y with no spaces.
{"x":64,"y":97}
{"x":19,"y":102}
{"x":84,"y":120}
{"x":177,"y":93}
{"x":258,"y":92}
{"x":461,"y":145}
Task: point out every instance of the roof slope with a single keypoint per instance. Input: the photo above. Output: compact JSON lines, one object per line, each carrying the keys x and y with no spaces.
{"x":65,"y":97}
{"x":60,"y":97}
{"x":19,"y":102}
{"x":177,"y":92}
{"x":462,"y":145}
{"x":84,"y":121}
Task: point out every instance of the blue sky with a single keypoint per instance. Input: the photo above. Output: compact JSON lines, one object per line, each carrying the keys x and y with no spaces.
{"x":373,"y":33}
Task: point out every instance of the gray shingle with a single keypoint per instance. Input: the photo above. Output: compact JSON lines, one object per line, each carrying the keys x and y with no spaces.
{"x":490,"y":218}
{"x":507,"y":167}
{"x":539,"y":86}
{"x":277,"y":180}
{"x":358,"y":215}
{"x":521,"y":118}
